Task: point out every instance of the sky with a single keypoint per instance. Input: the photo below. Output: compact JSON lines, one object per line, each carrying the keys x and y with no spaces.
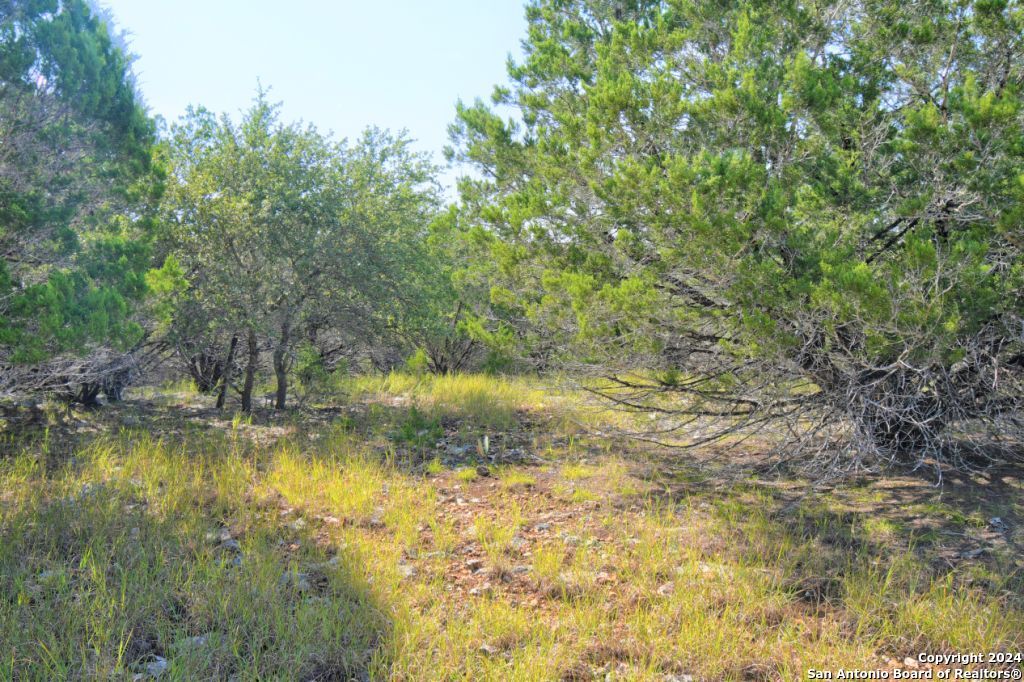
{"x":341,"y":65}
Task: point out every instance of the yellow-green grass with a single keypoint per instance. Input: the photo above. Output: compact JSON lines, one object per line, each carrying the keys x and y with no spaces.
{"x":486,"y":400}
{"x":349,"y":564}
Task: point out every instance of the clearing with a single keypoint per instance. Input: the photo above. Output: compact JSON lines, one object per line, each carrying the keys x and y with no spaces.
{"x":469,"y":528}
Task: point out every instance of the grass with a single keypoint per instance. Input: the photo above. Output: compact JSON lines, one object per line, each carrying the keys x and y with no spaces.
{"x":486,"y":401}
{"x":324,"y":554}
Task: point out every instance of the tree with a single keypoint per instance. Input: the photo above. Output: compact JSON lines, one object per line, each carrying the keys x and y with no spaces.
{"x":284,"y":235}
{"x":430,"y":312}
{"x":799,"y":211}
{"x":75,"y":177}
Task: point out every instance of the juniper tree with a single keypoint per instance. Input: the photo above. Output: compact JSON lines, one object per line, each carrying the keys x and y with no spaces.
{"x":807,"y":211}
{"x":75,"y":181}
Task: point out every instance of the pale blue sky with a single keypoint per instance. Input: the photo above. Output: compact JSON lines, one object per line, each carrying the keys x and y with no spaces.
{"x":341,"y":65}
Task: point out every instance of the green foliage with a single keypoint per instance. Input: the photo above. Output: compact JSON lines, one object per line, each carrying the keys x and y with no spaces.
{"x":418,"y":363}
{"x":311,"y":372}
{"x":826,"y":189}
{"x":418,"y":428}
{"x":74,"y":163}
{"x":287,"y":235}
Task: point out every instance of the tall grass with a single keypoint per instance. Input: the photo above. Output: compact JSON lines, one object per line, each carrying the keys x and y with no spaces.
{"x":226,"y":558}
{"x":486,"y":400}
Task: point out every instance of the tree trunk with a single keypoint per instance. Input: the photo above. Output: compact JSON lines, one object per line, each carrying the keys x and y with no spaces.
{"x":250,"y":372}
{"x":281,"y":365}
{"x":225,"y":383}
{"x":88,"y":394}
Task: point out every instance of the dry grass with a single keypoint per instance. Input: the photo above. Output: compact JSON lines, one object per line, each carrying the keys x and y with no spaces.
{"x":328,"y":555}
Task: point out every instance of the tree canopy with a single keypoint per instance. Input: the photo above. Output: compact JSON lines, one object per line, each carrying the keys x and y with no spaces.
{"x":75,"y":180}
{"x":281,"y":235}
{"x":808,"y":211}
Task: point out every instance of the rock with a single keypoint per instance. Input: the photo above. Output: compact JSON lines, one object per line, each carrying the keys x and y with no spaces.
{"x":666,"y":589}
{"x":298,"y":581}
{"x":570,"y":539}
{"x":911,"y":662}
{"x":190,"y":643}
{"x":331,"y":520}
{"x":222,"y":535}
{"x":407,"y":571}
{"x":474,"y":564}
{"x":298,"y":524}
{"x":488,"y":650}
{"x":605,"y":578}
{"x":483,"y":471}
{"x":678,"y":678}
{"x":520,"y":570}
{"x":157,"y":667}
{"x":231,"y":545}
{"x":376,"y":521}
{"x":541,"y":527}
{"x":517,"y":542}
{"x":481,"y":591}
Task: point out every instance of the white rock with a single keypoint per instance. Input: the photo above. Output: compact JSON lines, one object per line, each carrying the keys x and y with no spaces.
{"x":157,"y":667}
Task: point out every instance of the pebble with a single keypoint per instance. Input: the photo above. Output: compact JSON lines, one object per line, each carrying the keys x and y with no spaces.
{"x":482,"y":590}
{"x":157,"y":667}
{"x":540,"y":527}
